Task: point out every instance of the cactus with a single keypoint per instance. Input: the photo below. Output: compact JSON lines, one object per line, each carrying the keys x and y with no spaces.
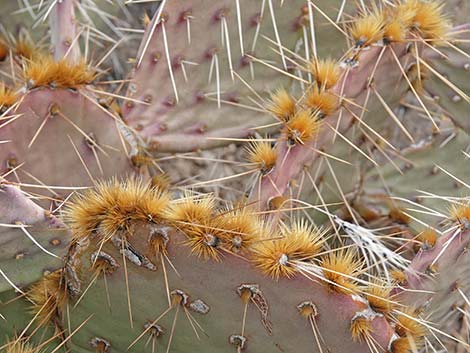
{"x":217,"y":65}
{"x":31,"y":238}
{"x":338,"y":222}
{"x":54,"y":96}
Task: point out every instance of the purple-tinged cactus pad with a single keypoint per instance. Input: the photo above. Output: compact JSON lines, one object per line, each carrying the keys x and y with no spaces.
{"x":62,"y":138}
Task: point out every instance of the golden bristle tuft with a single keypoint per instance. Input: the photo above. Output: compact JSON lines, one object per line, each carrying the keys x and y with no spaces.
{"x":191,"y":209}
{"x":115,"y":108}
{"x":141,"y":159}
{"x":379,"y":297}
{"x":361,"y":329}
{"x":282,"y":105}
{"x":461,"y":214}
{"x":326,"y":72}
{"x":299,"y":242}
{"x":149,"y":203}
{"x":368,"y":29}
{"x":394,"y":31}
{"x":113,"y":205}
{"x":396,"y":214}
{"x":367,"y":212}
{"x":161,"y":181}
{"x":24,"y":48}
{"x":242,"y":229}
{"x":321,"y":101}
{"x":426,"y":17}
{"x":407,"y":344}
{"x":46,"y":71}
{"x":263,"y":155}
{"x":401,"y":345}
{"x":205,"y":239}
{"x":428,"y":238}
{"x":86,"y":211}
{"x":7,"y":97}
{"x":408,"y":325}
{"x":195,"y":216}
{"x":398,"y":276}
{"x":404,"y":11}
{"x":135,"y":201}
{"x":340,"y":268}
{"x":49,"y":296}
{"x":302,"y":127}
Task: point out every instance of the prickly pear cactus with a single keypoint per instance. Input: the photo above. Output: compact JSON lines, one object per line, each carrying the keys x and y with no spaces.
{"x":254,"y":176}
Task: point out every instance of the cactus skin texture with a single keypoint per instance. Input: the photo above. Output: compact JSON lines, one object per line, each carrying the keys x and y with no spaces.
{"x":444,"y":278}
{"x":84,"y":134}
{"x":64,"y":31}
{"x":183,"y":120}
{"x":352,"y":231}
{"x":18,"y":251}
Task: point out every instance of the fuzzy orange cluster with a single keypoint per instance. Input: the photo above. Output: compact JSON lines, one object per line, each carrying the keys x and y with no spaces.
{"x":340,"y":268}
{"x":394,"y":24}
{"x":298,"y":242}
{"x":7,"y":97}
{"x":22,"y":48}
{"x":49,"y":297}
{"x":209,"y":231}
{"x":113,"y":207}
{"x":379,"y":296}
{"x":301,"y":119}
{"x":262,"y":155}
{"x":44,"y":70}
{"x":461,"y":213}
{"x":410,"y":331}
